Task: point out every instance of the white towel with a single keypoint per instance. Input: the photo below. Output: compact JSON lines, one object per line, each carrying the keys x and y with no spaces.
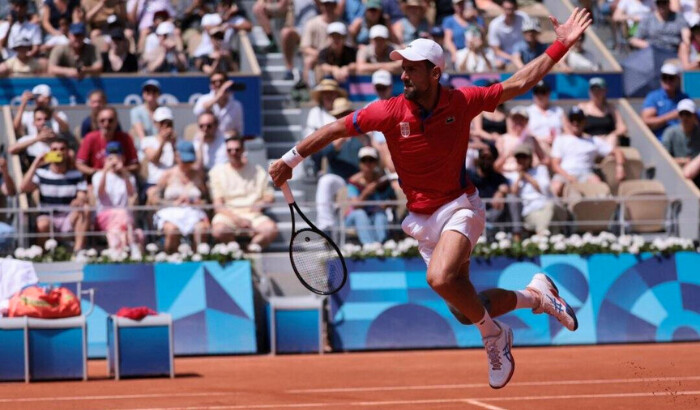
{"x":14,"y":276}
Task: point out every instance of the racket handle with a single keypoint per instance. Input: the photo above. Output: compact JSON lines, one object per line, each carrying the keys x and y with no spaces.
{"x":287,"y":193}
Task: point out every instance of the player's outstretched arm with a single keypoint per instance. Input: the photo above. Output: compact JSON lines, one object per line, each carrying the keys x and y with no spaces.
{"x":567,"y":34}
{"x":280,"y":171}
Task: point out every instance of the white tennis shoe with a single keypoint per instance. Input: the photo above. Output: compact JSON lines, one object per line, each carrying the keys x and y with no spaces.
{"x":501,"y":362}
{"x":550,"y":302}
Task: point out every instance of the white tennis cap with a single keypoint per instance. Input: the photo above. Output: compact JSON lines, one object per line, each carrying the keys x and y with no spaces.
{"x":368,"y":152}
{"x":378,"y":31}
{"x":381,"y":77}
{"x":419,"y":50}
{"x":165,"y":28}
{"x":162,"y":114}
{"x":686,"y":105}
{"x":670,"y":69}
{"x":337,"y":28}
{"x":42,"y":89}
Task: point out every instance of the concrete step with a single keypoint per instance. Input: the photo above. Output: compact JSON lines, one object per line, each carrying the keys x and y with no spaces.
{"x":277,"y":149}
{"x":275,"y":102}
{"x":270,"y":59}
{"x":281,"y":133}
{"x":278,"y":87}
{"x":284,"y":116}
{"x":273,"y":72}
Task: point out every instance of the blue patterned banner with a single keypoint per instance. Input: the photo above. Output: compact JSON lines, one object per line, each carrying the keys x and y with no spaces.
{"x":387,"y":304}
{"x":211,"y":305}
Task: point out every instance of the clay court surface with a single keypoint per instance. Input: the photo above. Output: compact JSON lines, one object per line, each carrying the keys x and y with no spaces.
{"x":649,"y":376}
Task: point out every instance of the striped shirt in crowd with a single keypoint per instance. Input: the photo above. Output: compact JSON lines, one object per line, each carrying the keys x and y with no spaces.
{"x":58,"y":190}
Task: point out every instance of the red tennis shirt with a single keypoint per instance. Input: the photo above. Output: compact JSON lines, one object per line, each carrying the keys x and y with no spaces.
{"x":429,"y":149}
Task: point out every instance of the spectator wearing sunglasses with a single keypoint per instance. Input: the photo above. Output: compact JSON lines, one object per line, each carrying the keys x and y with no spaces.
{"x":209,"y":142}
{"x":221,"y":102}
{"x":91,"y":154}
{"x":659,"y":108}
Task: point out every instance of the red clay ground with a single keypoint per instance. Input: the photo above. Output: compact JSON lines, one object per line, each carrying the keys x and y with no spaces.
{"x":651,"y":376}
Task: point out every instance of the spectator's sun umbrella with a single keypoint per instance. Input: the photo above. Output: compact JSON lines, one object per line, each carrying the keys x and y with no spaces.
{"x":641,"y":70}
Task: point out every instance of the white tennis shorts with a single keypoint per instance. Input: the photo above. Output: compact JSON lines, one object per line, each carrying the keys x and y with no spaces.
{"x":466,"y":215}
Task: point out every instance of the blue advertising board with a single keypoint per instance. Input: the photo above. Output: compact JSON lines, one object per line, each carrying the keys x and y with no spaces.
{"x":127,"y":90}
{"x":387,"y":303}
{"x":211,"y":305}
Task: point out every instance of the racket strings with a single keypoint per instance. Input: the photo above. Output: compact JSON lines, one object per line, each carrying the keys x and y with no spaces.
{"x":317,"y":261}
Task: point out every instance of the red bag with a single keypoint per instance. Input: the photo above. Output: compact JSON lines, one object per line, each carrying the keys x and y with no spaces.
{"x":34,"y":301}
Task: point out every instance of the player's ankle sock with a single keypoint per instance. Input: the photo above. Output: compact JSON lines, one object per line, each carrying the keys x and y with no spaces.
{"x":487,"y":326}
{"x":526,"y":299}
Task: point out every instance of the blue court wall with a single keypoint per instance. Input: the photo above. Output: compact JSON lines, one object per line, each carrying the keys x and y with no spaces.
{"x":127,"y":90}
{"x":211,"y":305}
{"x":387,"y":303}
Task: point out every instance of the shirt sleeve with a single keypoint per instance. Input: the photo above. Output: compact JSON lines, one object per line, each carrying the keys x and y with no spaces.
{"x":604,"y":149}
{"x":666,"y":140}
{"x":353,"y":191}
{"x":83,"y":154}
{"x":649,"y":101}
{"x":82,"y":185}
{"x":480,"y":99}
{"x":374,"y":117}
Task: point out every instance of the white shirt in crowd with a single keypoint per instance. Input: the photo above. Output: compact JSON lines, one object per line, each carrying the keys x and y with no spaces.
{"x":115,"y":190}
{"x":37,"y":149}
{"x":534,"y":200}
{"x":547,"y":124}
{"x":635,"y":8}
{"x":474,"y":62}
{"x":317,"y":118}
{"x":578,"y":154}
{"x":167,"y":158}
{"x":505,"y":36}
{"x":28,"y":122}
{"x":690,"y":12}
{"x":230,"y":116}
{"x":19,"y":31}
{"x":214,"y":152}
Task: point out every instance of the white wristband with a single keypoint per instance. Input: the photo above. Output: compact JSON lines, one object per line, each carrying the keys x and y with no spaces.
{"x":292,"y":158}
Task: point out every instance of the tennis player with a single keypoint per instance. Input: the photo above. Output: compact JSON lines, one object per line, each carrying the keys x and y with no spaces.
{"x":427,"y":132}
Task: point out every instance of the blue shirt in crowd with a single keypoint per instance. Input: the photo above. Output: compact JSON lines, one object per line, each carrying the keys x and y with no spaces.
{"x":664,"y":104}
{"x":458,"y":30}
{"x":528,"y":54}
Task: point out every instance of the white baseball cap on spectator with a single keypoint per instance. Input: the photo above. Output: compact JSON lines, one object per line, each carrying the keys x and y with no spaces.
{"x":22,"y":42}
{"x":42,"y":90}
{"x":686,"y":105}
{"x":531,"y":24}
{"x":378,"y":31}
{"x":162,"y":114}
{"x":211,"y":19}
{"x":381,"y":77}
{"x":670,"y":69}
{"x":520,"y":110}
{"x":365,"y":152}
{"x":337,"y":28}
{"x":165,"y":28}
{"x":419,"y":50}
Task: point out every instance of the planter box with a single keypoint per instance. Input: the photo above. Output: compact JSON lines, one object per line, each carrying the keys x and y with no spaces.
{"x":387,"y":303}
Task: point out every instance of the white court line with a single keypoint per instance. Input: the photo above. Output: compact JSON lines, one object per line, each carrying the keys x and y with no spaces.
{"x":111,"y":397}
{"x":477,"y":385}
{"x":433,"y":401}
{"x":484,"y":405}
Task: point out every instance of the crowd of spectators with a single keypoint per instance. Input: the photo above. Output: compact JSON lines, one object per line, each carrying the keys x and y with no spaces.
{"x":79,"y":38}
{"x":202,"y":188}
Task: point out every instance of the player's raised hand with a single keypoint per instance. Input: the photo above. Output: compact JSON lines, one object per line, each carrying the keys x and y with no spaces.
{"x":569,"y":32}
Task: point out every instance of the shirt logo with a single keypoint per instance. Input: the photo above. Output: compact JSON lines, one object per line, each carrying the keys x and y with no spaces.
{"x":405,"y":129}
{"x":450,"y":120}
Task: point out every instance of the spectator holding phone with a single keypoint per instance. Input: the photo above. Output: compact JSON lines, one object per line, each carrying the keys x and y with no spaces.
{"x":42,"y":97}
{"x":96,"y":100}
{"x":62,"y":190}
{"x":114,"y":188}
{"x":35,"y":145}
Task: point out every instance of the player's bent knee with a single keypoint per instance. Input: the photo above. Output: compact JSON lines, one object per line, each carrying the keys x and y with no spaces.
{"x":440,"y":279}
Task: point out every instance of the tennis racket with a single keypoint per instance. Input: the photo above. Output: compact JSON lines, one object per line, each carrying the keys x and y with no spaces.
{"x":316,"y":259}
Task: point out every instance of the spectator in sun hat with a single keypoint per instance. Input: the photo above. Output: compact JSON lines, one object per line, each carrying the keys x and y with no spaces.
{"x":336,"y":61}
{"x":682,"y":140}
{"x":118,"y":59}
{"x":414,"y":24}
{"x":369,"y":184}
{"x":77,"y":59}
{"x":142,"y":115}
{"x":221,"y":102}
{"x":22,"y":63}
{"x":659,"y":108}
{"x":376,"y":55}
{"x":574,"y":155}
{"x":181,"y":190}
{"x":42,"y":97}
{"x":602,"y":118}
{"x":20,"y":26}
{"x":324,"y":94}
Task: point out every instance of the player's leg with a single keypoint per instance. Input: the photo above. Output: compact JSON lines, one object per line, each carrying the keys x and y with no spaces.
{"x":448,"y":275}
